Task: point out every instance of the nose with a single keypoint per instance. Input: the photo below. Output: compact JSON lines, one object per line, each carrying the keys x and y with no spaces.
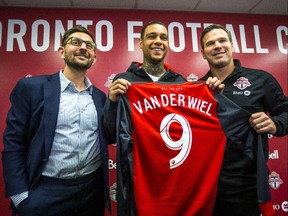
{"x":83,"y":46}
{"x":158,"y":39}
{"x":217,"y":44}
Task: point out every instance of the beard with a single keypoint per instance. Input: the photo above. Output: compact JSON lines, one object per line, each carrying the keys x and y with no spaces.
{"x":73,"y":63}
{"x":77,"y":65}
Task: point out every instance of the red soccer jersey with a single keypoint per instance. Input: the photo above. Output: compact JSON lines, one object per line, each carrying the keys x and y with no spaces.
{"x":174,"y":144}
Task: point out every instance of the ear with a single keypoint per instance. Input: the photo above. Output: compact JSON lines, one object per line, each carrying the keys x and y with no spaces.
{"x":141,"y":43}
{"x":203,"y":54}
{"x":232,"y":45}
{"x":94,"y":59}
{"x":61,"y":52}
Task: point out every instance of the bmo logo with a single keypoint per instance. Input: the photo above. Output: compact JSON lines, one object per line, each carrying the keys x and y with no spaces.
{"x":111,"y":164}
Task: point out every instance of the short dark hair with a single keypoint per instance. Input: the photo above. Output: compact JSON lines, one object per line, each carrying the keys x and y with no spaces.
{"x":210,"y":28}
{"x":151,"y":23}
{"x":74,"y":29}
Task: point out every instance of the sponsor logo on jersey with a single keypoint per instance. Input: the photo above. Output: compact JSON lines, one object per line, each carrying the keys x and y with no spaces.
{"x":113,"y":192}
{"x":274,"y":155}
{"x":274,"y":180}
{"x":242,"y":83}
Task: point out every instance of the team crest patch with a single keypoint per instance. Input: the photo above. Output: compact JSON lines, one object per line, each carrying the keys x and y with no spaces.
{"x":242,"y":83}
{"x":274,"y":180}
{"x":192,"y":77}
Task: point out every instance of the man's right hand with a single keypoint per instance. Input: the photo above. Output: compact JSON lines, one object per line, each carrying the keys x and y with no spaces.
{"x":117,"y":88}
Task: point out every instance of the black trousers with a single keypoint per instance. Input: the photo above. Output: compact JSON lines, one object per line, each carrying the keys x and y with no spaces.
{"x":82,"y":196}
{"x":234,"y":202}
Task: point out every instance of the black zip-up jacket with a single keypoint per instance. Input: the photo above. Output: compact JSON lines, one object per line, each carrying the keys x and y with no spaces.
{"x":133,"y":74}
{"x":255,"y":91}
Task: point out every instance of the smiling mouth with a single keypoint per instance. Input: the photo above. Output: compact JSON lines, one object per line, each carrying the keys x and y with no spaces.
{"x":157,"y":49}
{"x":82,"y":56}
{"x":217,"y":54}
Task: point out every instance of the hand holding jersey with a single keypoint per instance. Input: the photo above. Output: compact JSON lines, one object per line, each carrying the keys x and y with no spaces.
{"x":262,"y":123}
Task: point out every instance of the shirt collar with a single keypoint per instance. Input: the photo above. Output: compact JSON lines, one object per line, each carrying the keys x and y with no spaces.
{"x":65,"y":83}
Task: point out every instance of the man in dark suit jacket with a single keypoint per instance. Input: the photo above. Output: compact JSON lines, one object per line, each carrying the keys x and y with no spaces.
{"x":55,"y":157}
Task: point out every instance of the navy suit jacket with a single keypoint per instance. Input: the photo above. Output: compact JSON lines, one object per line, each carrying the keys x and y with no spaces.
{"x":31,"y":123}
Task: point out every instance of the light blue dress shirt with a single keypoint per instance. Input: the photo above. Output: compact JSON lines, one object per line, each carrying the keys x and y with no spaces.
{"x":76,"y":149}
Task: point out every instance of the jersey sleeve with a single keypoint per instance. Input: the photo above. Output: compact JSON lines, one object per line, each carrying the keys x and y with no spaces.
{"x":125,"y":193}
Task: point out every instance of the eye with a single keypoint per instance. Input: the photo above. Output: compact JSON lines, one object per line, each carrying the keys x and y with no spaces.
{"x":76,"y":42}
{"x":222,"y":40}
{"x":89,"y":45}
{"x":164,"y":37}
{"x":209,"y":44}
{"x":150,"y":36}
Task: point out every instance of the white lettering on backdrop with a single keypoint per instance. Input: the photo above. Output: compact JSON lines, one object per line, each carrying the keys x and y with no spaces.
{"x":103,"y":30}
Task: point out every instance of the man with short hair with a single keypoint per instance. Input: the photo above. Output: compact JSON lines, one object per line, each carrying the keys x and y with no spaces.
{"x":154,"y":45}
{"x":55,"y":157}
{"x":264,"y":99}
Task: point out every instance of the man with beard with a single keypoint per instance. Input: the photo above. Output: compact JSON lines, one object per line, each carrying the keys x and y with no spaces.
{"x":260,"y":94}
{"x":55,"y":157}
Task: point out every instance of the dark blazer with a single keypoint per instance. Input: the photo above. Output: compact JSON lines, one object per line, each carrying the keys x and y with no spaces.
{"x":31,"y":123}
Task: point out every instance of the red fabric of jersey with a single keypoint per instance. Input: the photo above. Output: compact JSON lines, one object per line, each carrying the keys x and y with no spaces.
{"x":178,"y":148}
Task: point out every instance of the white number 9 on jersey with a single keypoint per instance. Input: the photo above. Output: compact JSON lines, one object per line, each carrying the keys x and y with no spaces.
{"x":185,"y":141}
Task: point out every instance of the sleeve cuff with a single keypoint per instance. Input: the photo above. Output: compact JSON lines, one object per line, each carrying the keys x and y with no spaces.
{"x":18,"y":198}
